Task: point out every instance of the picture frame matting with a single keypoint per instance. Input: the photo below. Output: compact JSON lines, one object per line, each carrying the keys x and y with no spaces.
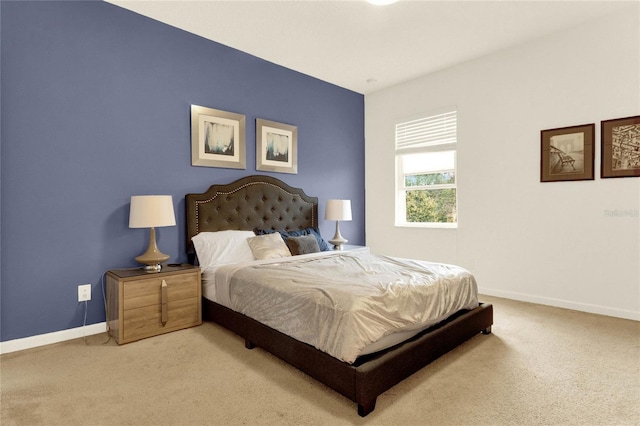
{"x":276,"y":147}
{"x":217,"y":138}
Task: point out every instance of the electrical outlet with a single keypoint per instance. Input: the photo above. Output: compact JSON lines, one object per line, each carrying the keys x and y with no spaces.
{"x":84,"y":292}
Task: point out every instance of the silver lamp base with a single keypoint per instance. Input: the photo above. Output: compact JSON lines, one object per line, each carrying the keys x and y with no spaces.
{"x":153,"y":268}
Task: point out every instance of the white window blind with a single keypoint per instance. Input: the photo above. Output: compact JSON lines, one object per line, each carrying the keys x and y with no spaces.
{"x":428,"y":162}
{"x":440,"y":129}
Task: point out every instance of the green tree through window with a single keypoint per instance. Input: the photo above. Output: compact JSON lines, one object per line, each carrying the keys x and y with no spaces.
{"x":435,"y":205}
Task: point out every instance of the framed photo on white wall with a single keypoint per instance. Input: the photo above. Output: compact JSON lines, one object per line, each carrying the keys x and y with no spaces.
{"x":620,"y":147}
{"x":567,"y":153}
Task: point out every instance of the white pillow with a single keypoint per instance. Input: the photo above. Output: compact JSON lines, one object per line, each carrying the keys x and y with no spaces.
{"x":268,"y":246}
{"x":222,"y":247}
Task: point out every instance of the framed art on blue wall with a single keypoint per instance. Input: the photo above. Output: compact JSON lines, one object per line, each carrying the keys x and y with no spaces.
{"x":276,"y":147}
{"x":620,"y":147}
{"x":217,"y":138}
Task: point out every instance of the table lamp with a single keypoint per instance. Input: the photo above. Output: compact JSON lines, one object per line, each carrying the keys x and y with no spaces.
{"x":338,"y":210}
{"x":151,"y":211}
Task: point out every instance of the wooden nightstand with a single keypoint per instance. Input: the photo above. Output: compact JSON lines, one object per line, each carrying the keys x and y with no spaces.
{"x":143,"y":304}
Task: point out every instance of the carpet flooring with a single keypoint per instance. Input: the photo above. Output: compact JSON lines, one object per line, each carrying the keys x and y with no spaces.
{"x":540,"y":366}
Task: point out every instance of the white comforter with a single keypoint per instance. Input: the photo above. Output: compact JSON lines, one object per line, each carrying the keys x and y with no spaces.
{"x":342,"y":302}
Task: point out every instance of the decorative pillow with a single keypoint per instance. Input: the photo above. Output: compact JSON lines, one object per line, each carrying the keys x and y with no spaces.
{"x":303,"y":245}
{"x":222,"y":247}
{"x":297,"y":233}
{"x":268,"y":246}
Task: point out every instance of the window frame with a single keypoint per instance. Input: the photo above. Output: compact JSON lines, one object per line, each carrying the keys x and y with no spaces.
{"x":401,"y":188}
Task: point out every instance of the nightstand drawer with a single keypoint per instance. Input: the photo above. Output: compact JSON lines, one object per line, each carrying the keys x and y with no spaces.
{"x":148,"y":292}
{"x":142,"y":304}
{"x":147,"y":321}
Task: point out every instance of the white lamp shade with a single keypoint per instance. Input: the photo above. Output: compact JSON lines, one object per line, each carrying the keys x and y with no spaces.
{"x":151,"y":211}
{"x":338,"y":210}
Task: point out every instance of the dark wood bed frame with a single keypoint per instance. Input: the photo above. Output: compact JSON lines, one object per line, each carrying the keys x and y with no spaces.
{"x":265,"y":202}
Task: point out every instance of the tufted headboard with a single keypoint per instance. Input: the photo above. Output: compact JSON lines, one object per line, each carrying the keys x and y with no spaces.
{"x":251,"y":202}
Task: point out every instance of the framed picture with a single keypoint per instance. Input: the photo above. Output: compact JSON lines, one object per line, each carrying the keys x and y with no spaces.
{"x":217,"y":138}
{"x":620,"y":147}
{"x":276,"y":147}
{"x":567,"y":153}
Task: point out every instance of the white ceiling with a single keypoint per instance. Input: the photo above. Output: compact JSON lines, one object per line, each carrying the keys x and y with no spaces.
{"x":363,"y":47}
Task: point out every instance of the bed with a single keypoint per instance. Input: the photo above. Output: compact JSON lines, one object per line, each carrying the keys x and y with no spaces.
{"x":266,"y":203}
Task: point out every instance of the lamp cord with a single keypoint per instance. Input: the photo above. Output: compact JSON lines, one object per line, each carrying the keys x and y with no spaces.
{"x":104,"y":299}
{"x":84,"y":322}
{"x":86,"y":310}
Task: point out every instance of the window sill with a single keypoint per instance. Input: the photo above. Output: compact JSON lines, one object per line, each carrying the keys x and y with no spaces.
{"x":427,"y":225}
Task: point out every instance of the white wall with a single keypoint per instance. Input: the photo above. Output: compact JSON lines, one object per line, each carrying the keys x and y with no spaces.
{"x":567,"y":244}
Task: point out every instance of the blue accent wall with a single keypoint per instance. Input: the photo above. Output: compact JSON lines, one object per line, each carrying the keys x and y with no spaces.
{"x":96,"y":108}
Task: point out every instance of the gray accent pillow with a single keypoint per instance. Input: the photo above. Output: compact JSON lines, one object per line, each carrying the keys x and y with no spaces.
{"x":303,"y":245}
{"x":297,"y":233}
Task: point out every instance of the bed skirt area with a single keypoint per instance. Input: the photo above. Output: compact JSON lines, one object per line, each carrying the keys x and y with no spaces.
{"x":369,"y":375}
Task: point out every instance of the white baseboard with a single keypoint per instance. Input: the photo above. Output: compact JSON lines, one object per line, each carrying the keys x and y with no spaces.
{"x":49,"y":338}
{"x":75,"y":333}
{"x":566,"y":304}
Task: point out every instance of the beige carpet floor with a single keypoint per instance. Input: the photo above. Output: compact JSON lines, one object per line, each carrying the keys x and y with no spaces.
{"x":541,"y":366}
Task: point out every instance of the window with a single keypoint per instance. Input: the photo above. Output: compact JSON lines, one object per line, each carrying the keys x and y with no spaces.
{"x":426,"y":171}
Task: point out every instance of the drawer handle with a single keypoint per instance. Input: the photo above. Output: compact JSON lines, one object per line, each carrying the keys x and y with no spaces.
{"x":163,"y":290}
